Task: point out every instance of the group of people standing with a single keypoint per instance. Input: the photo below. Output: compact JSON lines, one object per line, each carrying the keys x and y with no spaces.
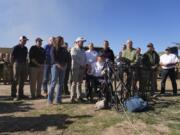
{"x":44,"y":63}
{"x":151,"y":61}
{"x":55,"y":63}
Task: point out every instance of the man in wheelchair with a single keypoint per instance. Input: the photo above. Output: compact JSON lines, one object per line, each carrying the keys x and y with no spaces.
{"x":100,"y":80}
{"x":95,"y":76}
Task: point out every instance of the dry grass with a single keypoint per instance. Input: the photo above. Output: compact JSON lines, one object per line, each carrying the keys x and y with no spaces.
{"x":36,"y":117}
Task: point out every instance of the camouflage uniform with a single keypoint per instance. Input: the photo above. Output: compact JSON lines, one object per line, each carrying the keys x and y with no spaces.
{"x":130,"y":55}
{"x":7,"y":70}
{"x":151,"y":62}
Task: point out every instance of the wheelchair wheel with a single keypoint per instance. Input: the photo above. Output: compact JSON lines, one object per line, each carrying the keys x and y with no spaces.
{"x":110,"y":95}
{"x":117,"y":102}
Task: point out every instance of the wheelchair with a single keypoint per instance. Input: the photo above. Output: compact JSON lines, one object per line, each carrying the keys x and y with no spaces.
{"x":113,"y":96}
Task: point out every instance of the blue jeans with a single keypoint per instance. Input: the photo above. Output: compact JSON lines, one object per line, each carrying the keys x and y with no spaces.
{"x":46,"y":77}
{"x":56,"y":74}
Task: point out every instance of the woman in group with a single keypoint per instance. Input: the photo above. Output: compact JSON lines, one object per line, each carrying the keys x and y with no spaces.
{"x":59,"y":64}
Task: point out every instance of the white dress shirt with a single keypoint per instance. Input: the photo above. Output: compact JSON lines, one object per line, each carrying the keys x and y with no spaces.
{"x":171,"y":59}
{"x":96,"y":69}
{"x":91,"y":56}
{"x":78,"y":56}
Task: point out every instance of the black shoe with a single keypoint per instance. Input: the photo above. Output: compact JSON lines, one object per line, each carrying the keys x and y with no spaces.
{"x":13,"y":96}
{"x":32,"y":97}
{"x":81,"y":100}
{"x":174,"y":94}
{"x":23,"y":97}
{"x":67,"y":93}
{"x":40,"y":97}
{"x":91,"y":101}
{"x":73,"y":101}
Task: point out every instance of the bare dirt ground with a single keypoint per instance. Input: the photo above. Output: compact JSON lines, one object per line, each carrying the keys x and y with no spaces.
{"x":35,"y":117}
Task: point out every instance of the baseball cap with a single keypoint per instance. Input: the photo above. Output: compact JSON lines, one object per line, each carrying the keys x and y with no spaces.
{"x":80,"y":39}
{"x":23,"y":38}
{"x":129,"y":41}
{"x":168,"y":49}
{"x":38,"y":39}
{"x":150,"y":45}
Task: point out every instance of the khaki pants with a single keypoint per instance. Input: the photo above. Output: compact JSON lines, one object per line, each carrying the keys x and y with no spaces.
{"x":19,"y":76}
{"x":77,"y":79}
{"x":35,"y":78}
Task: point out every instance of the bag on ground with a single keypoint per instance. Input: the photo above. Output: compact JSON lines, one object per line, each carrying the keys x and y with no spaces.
{"x":135,"y":104}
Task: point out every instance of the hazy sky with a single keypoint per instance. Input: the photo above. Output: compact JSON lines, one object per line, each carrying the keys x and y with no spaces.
{"x":142,"y":21}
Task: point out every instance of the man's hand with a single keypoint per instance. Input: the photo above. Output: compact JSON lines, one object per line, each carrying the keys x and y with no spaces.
{"x":171,"y":64}
{"x":154,"y":67}
{"x":35,"y":62}
{"x":60,"y":66}
{"x":133,"y":64}
{"x":168,"y":65}
{"x":83,"y":66}
{"x":88,"y":67}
